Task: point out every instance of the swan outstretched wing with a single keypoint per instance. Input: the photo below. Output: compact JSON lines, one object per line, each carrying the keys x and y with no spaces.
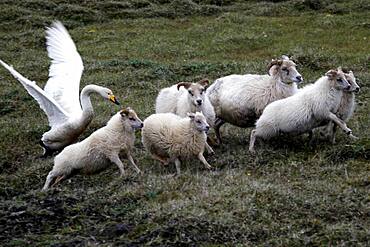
{"x":56,"y":115}
{"x":65,"y":70}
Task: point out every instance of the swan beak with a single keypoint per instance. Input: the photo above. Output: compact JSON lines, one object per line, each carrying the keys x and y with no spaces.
{"x":114,"y":100}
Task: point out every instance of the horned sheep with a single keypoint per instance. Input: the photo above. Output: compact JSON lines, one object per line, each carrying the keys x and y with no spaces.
{"x":240,"y":99}
{"x":100,"y":149}
{"x":169,"y":138}
{"x":186,"y":97}
{"x":346,"y":106}
{"x":300,"y":113}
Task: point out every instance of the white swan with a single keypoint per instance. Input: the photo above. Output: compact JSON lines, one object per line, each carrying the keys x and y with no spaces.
{"x":68,"y":114}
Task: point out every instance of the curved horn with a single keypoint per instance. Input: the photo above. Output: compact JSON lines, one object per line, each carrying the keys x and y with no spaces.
{"x":204,"y":82}
{"x":272,"y":63}
{"x":184,"y":84}
{"x":331,"y":73}
{"x":125,"y":111}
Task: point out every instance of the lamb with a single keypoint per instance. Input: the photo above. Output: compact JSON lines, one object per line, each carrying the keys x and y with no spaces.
{"x":101,"y":148}
{"x":346,"y":107}
{"x":300,"y":113}
{"x":169,"y":137}
{"x":186,"y":97}
{"x":240,"y":99}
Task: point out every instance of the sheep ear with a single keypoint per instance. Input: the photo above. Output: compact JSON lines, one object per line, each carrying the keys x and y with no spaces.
{"x":331,"y":73}
{"x":184,"y":84}
{"x":191,"y":115}
{"x":204,"y":82}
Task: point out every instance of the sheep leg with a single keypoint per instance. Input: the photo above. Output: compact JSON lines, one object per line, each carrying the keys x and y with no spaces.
{"x":178,"y":164}
{"x":50,"y":178}
{"x":133,"y":163}
{"x":252,"y":141}
{"x":218,"y":123}
{"x":164,"y":161}
{"x":58,"y":180}
{"x":201,"y":158}
{"x":332,"y":137}
{"x":209,"y":149}
{"x":48,"y":181}
{"x":341,"y":124}
{"x":118,"y":162}
{"x":310,"y":137}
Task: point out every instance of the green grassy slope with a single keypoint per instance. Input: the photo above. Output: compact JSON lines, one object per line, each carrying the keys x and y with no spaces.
{"x":290,"y":194}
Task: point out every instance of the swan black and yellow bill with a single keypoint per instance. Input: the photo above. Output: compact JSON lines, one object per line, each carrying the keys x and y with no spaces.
{"x":114,"y":100}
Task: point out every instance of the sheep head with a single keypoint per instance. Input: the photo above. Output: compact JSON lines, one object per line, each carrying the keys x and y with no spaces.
{"x":338,"y":79}
{"x":130,"y":118}
{"x":351,"y":80}
{"x":199,"y":121}
{"x":196,"y":91}
{"x":285,"y":69}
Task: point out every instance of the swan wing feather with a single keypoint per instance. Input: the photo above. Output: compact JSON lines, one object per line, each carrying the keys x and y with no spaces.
{"x":56,"y":115}
{"x":65,"y":70}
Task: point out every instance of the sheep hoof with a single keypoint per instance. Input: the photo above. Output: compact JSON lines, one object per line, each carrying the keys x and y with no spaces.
{"x":47,"y":151}
{"x":353,"y":137}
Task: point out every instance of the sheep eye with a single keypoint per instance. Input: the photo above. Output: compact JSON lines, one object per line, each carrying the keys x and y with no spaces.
{"x":191,"y":93}
{"x":284,"y":69}
{"x":132,"y":119}
{"x":198,"y":121}
{"x":339,"y":80}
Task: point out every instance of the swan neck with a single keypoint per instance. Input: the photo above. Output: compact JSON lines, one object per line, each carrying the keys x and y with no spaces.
{"x":87,"y":108}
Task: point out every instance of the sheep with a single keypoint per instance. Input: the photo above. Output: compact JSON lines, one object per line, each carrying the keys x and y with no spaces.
{"x":186,"y":97}
{"x":346,"y":107}
{"x":300,"y":113}
{"x":101,"y":148}
{"x":168,"y":137}
{"x":240,"y":99}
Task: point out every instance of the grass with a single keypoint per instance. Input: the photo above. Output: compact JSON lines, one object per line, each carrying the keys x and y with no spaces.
{"x":289,"y":194}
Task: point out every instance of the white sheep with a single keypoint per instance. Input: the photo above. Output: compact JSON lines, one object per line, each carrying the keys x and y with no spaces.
{"x":168,"y":137}
{"x":185,"y":97}
{"x":346,"y":107}
{"x":300,"y":113}
{"x":240,"y":99}
{"x":100,"y":149}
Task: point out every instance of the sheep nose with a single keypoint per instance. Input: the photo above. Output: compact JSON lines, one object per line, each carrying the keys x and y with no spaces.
{"x":207,"y":128}
{"x":199,"y":101}
{"x":357,"y":89}
{"x":299,"y":78}
{"x":141,"y":125}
